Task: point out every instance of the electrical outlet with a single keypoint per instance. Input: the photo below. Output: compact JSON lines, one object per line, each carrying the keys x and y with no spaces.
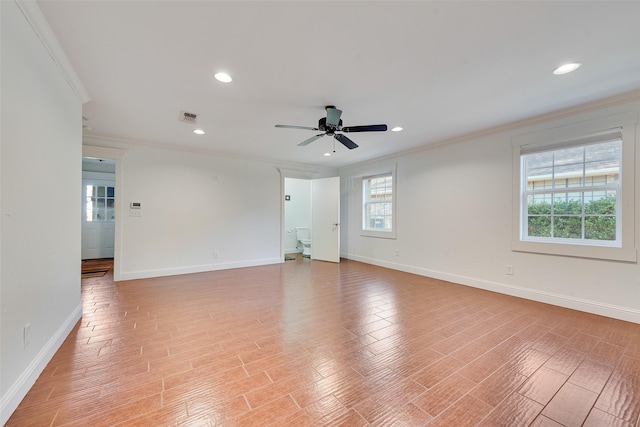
{"x":26,"y":335}
{"x":216,"y":254}
{"x":135,"y":212}
{"x":397,"y":252}
{"x":509,"y":269}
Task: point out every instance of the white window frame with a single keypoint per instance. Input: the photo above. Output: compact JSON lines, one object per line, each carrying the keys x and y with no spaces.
{"x":577,"y":134}
{"x":390,"y":234}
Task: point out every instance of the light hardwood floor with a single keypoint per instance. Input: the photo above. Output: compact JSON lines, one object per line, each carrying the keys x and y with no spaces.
{"x":314,"y":343}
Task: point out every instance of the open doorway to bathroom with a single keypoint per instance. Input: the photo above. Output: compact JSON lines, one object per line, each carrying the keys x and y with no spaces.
{"x":297,"y":216}
{"x":311,"y":218}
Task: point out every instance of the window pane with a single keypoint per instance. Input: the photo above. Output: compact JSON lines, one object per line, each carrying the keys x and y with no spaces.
{"x":540,"y":204}
{"x":603,"y":156}
{"x":601,"y":205}
{"x":576,"y":214}
{"x":376,"y":223}
{"x":600,"y":227}
{"x":539,"y":226}
{"x":378,"y":202}
{"x":567,"y":163}
{"x":567,"y":203}
{"x":101,"y":191}
{"x":574,"y":182}
{"x":539,"y":165}
{"x":110,"y":192}
{"x":567,"y":227}
{"x":110,"y":203}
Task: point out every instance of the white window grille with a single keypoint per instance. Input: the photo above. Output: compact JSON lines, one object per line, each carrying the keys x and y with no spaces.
{"x":574,"y":190}
{"x":378,"y":205}
{"x":100,"y":203}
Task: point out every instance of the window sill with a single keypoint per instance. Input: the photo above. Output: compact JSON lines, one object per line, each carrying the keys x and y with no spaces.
{"x":576,"y":250}
{"x":378,"y":234}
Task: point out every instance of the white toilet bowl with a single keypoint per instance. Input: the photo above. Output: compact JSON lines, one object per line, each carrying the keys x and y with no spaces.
{"x":303,"y":235}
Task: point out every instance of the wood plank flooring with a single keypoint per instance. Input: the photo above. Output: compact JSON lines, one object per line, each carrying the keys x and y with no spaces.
{"x":309,"y":343}
{"x":95,"y":267}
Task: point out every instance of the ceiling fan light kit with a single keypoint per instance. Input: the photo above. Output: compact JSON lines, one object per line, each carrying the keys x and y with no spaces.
{"x":331,"y":124}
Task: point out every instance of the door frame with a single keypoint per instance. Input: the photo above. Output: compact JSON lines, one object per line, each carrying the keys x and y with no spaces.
{"x":117,"y":156}
{"x":290,"y":173}
{"x":307,"y":174}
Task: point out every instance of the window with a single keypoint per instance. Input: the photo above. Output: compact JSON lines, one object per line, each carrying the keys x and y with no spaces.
{"x":378,"y":205}
{"x":99,"y":203}
{"x":573,"y":193}
{"x":574,"y":189}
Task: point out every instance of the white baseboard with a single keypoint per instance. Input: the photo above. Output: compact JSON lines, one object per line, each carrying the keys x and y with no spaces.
{"x":594,"y":307}
{"x":146,"y":274}
{"x":19,"y":389}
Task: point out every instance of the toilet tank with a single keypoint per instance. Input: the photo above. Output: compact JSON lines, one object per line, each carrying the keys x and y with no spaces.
{"x":302,"y":233}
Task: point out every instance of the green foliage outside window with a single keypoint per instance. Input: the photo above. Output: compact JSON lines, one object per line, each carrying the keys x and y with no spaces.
{"x":599,"y":219}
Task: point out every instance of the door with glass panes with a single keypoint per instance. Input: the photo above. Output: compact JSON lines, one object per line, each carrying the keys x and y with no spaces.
{"x":98,"y":218}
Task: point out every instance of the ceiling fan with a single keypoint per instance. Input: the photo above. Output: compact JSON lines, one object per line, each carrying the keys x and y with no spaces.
{"x":332,"y":124}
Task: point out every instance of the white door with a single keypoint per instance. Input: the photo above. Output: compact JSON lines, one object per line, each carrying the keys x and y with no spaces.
{"x":98,"y":218}
{"x":325,"y":219}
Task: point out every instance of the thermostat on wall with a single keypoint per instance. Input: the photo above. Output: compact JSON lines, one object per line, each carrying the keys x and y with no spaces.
{"x":136,"y":205}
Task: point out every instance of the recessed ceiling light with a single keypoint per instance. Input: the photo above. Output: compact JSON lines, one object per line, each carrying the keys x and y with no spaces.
{"x":198,"y":131}
{"x":566,"y":68}
{"x":223,"y":77}
{"x":327,"y":154}
{"x":396,"y":129}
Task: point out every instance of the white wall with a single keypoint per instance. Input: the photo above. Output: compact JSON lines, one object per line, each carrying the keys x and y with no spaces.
{"x":195,"y":206}
{"x":98,"y":167}
{"x":40,"y":170}
{"x":454,"y":215}
{"x":297,"y":211}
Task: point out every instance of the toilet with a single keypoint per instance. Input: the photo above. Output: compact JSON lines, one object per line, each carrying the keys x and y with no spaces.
{"x":304,"y":240}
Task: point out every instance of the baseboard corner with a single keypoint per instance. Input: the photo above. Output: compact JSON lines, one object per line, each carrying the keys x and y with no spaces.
{"x":19,"y":389}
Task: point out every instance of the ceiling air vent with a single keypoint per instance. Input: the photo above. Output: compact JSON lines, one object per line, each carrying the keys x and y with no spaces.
{"x":187,"y":117}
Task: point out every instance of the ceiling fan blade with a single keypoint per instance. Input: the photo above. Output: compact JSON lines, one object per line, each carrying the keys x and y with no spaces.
{"x":345,"y":141}
{"x":369,"y":128}
{"x":333,"y":117}
{"x":310,"y":140}
{"x":296,"y":127}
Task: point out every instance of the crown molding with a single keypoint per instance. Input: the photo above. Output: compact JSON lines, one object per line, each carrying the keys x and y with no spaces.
{"x":98,"y":140}
{"x":41,"y":28}
{"x":610,"y":101}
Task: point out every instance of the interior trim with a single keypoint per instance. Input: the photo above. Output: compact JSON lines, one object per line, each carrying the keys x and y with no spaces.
{"x":588,"y":306}
{"x":41,"y":28}
{"x":203,"y":268}
{"x":18,"y":390}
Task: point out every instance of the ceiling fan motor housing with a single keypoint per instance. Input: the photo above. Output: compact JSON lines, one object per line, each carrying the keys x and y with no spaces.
{"x":322,"y":125}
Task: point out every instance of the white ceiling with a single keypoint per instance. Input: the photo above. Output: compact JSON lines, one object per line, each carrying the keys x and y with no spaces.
{"x":438,"y":69}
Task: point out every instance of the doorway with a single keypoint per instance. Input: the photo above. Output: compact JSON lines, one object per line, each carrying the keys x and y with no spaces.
{"x":101,"y":192}
{"x":297,"y":212}
{"x":314,"y":205}
{"x":98,"y":208}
